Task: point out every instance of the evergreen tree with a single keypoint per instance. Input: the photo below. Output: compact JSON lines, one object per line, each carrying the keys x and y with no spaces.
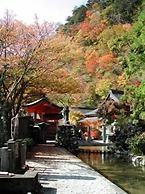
{"x":122,"y":11}
{"x":78,"y":16}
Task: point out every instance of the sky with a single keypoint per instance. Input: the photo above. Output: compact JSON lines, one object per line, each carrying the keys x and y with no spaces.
{"x":48,"y":10}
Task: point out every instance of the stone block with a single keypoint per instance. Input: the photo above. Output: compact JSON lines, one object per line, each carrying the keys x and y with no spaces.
{"x":20,"y":183}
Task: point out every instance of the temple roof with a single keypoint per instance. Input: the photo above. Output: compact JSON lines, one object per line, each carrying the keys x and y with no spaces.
{"x":115,"y":95}
{"x":43,"y":105}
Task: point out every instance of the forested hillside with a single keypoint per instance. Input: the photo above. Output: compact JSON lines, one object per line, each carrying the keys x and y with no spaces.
{"x":111,"y":36}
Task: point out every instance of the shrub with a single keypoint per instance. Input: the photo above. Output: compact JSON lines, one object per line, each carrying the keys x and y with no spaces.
{"x":137,"y":144}
{"x":123,"y":133}
{"x":29,"y":143}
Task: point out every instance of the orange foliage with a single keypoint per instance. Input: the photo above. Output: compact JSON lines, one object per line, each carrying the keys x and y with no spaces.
{"x":102,"y":61}
{"x":91,"y":31}
{"x":85,"y":27}
{"x":106,"y":59}
{"x":88,"y":13}
{"x":91,"y":64}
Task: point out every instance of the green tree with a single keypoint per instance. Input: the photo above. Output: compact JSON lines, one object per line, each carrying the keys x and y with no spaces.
{"x":78,"y":16}
{"x":133,"y":63}
{"x":136,"y":40}
{"x":122,"y":11}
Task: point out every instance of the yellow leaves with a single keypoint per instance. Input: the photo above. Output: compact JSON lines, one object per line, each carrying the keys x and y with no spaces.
{"x":102,"y":87}
{"x":122,"y":80}
{"x":75,"y":116}
{"x":127,"y":27}
{"x":90,"y":52}
{"x":64,"y":49}
{"x":60,"y":81}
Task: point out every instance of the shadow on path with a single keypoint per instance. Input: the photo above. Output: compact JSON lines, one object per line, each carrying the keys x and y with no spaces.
{"x":59,"y":177}
{"x":46,"y":190}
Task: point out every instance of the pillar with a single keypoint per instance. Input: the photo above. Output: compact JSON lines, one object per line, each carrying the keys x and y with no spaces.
{"x":12,"y":158}
{"x":23,"y":154}
{"x":89,"y":134}
{"x":104,"y":133}
{"x":4,"y":159}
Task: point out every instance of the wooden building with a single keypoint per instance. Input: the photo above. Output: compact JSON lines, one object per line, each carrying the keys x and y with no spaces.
{"x":43,"y":111}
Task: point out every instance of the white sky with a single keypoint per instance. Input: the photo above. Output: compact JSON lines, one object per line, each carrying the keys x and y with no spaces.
{"x":48,"y":10}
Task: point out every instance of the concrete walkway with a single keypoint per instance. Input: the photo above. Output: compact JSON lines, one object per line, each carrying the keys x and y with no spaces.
{"x":60,"y":172}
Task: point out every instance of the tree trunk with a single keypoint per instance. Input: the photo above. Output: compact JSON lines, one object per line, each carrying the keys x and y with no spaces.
{"x":4,"y":124}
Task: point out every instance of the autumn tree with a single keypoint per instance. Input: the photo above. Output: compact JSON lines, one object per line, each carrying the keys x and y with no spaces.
{"x":27,"y":55}
{"x":21,"y":53}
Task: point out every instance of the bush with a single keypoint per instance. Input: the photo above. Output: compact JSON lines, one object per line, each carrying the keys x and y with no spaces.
{"x":29,"y":143}
{"x":123,"y":133}
{"x":137,"y":144}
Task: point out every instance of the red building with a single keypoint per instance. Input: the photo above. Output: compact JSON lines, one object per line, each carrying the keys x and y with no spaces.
{"x":43,"y":110}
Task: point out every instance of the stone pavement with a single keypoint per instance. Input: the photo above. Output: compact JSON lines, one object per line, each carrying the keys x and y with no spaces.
{"x":60,"y":172}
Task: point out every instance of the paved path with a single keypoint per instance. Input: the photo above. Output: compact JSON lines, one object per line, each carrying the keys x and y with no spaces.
{"x":62,"y":173}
